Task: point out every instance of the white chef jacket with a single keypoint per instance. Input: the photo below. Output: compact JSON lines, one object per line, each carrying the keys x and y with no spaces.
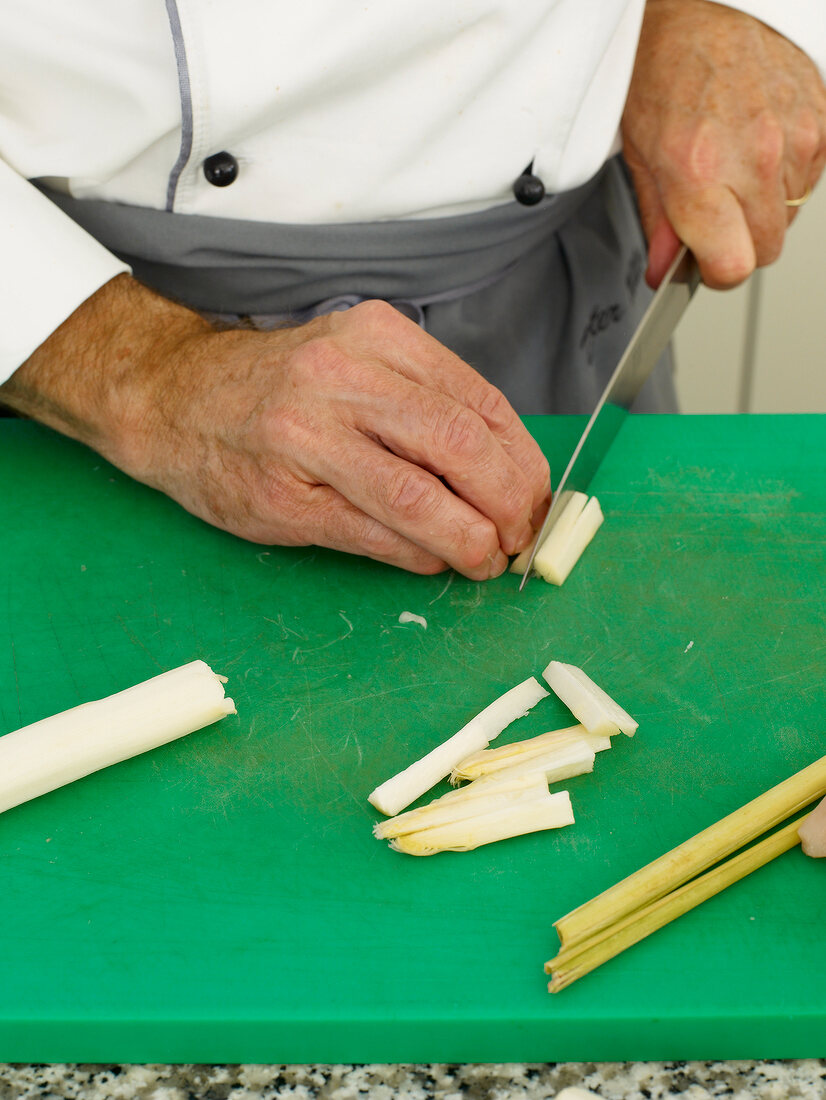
{"x":334,"y":112}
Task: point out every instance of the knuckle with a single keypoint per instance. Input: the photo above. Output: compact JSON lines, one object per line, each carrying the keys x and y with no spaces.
{"x":694,"y":154}
{"x":411,"y":494}
{"x":475,"y":546}
{"x":723,"y":273}
{"x":459,"y":431}
{"x":315,"y":360}
{"x":769,"y":143}
{"x":378,"y":541}
{"x":494,"y":407}
{"x":807,"y":137}
{"x":517,"y":504}
{"x":374,"y":314}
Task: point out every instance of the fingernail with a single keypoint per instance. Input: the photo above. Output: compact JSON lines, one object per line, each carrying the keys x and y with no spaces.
{"x":498,"y":564}
{"x":525,"y":539}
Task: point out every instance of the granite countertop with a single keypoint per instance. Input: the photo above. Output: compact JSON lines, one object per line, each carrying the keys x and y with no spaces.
{"x":747,"y":1080}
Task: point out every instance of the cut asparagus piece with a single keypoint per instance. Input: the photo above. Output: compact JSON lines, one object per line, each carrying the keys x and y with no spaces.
{"x":471,"y":801}
{"x":596,"y":710}
{"x":564,"y":546}
{"x":813,"y":832}
{"x":568,"y":506}
{"x":578,"y":519}
{"x":555,"y":765}
{"x":520,"y":562}
{"x":551,"y":811}
{"x":68,"y":746}
{"x":398,"y":792}
{"x":489,"y":761}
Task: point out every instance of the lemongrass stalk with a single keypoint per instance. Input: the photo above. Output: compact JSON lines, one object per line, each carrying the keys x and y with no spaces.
{"x":488,"y":761}
{"x":695,"y":855}
{"x":813,"y":833}
{"x":574,"y":962}
{"x":398,"y":792}
{"x":594,"y":708}
{"x":68,"y":746}
{"x":469,"y":801}
{"x":566,"y":543}
{"x":552,"y":811}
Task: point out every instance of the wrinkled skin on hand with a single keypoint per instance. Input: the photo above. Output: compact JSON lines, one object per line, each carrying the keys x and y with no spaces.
{"x":357,"y":431}
{"x":725,"y":120}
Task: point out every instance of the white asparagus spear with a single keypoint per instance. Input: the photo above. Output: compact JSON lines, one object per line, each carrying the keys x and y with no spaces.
{"x":595,"y":709}
{"x":578,"y":520}
{"x":474,"y":800}
{"x":568,"y":506}
{"x":402,"y":789}
{"x":566,"y":543}
{"x":58,"y":750}
{"x":551,"y":811}
{"x":554,"y":765}
{"x":489,"y":761}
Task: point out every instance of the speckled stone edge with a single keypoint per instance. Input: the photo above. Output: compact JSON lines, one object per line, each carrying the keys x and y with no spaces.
{"x":771,"y":1080}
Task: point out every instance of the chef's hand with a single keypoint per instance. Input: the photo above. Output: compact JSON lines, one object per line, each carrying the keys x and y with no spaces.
{"x":725,"y":120}
{"x":357,"y":431}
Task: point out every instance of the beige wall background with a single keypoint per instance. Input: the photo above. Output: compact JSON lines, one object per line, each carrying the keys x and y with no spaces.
{"x":762,"y":347}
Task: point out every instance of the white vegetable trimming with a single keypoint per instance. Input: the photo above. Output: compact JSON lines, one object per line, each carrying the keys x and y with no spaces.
{"x":508,"y":793}
{"x":398,"y":792}
{"x":490,"y":761}
{"x":58,"y":750}
{"x":594,"y":708}
{"x":531,"y":815}
{"x":577,"y":521}
{"x":474,"y":800}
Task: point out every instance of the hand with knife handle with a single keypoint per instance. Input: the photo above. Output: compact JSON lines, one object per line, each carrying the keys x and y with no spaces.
{"x":725,"y":133}
{"x":359,"y":431}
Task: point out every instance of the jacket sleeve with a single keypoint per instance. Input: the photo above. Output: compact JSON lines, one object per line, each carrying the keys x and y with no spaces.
{"x":801,"y":21}
{"x":50,"y":267}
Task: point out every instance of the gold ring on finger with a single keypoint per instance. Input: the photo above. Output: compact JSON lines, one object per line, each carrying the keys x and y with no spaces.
{"x":802,"y":200}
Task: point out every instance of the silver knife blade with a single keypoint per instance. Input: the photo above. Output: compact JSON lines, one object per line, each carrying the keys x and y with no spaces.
{"x":644,"y":349}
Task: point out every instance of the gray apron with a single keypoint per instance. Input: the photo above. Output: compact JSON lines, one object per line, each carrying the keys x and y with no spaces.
{"x":540,"y":300}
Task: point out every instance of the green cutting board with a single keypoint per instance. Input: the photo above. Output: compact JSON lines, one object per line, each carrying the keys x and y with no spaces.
{"x":222,"y":899}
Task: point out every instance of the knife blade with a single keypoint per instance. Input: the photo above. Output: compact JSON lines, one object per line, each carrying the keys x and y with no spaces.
{"x":644,"y":349}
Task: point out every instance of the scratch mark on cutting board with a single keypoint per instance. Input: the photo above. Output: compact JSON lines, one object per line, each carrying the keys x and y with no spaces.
{"x":285,"y":630}
{"x":341,"y":613}
{"x":447,"y":585}
{"x":301,"y":561}
{"x":346,"y":744}
{"x":817,"y":665}
{"x":300,"y":652}
{"x":136,"y":641}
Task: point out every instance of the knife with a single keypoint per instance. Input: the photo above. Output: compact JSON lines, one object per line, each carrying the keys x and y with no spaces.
{"x":644,"y":349}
